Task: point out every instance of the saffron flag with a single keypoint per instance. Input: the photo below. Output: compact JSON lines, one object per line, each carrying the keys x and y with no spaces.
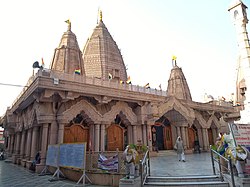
{"x":77,"y":71}
{"x":109,"y":164}
{"x":174,"y":57}
{"x":147,"y":86}
{"x":128,"y":80}
{"x":67,"y":21}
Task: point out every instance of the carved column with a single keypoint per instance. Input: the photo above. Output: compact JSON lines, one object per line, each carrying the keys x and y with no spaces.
{"x":187,"y":137}
{"x":34,"y":142}
{"x":28,"y":144}
{"x":23,"y":138}
{"x":11,"y":143}
{"x":102,"y":137}
{"x":178,"y":131}
{"x":134,"y":134}
{"x":149,"y":136}
{"x":205,"y":139}
{"x":18,"y":142}
{"x":44,"y":143}
{"x":53,"y":132}
{"x":130,"y":133}
{"x":60,"y":133}
{"x":183,"y":135}
{"x":97,"y":136}
{"x":215,"y":135}
{"x":144,"y":134}
{"x":200,"y":138}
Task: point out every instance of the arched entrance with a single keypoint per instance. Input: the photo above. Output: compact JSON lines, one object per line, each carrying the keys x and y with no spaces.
{"x":162,"y":135}
{"x":192,"y":136}
{"x":76,"y":133}
{"x":115,"y":138}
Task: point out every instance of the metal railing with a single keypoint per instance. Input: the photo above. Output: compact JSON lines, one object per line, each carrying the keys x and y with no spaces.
{"x":145,"y":167}
{"x":224,"y":166}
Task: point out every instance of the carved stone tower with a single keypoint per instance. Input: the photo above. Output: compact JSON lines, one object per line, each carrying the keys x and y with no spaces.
{"x":239,"y":17}
{"x":68,"y":56}
{"x":102,"y":57}
{"x":177,"y":84}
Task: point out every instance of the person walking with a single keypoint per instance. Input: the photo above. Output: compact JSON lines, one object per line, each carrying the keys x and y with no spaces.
{"x":180,"y":149}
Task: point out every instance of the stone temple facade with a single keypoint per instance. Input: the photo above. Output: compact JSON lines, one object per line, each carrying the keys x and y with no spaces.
{"x":97,"y":106}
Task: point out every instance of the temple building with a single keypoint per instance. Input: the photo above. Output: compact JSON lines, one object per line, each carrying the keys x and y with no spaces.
{"x":84,"y":97}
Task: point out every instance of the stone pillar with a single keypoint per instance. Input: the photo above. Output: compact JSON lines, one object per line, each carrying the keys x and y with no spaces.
{"x":134,"y":134}
{"x":215,"y":135}
{"x":130,"y":137}
{"x":18,"y":142}
{"x":205,"y":139}
{"x":97,"y":136}
{"x":178,"y":131}
{"x":23,"y":138}
{"x":11,"y":143}
{"x":53,"y":132}
{"x":144,"y":134}
{"x":60,"y":133}
{"x":183,"y":135}
{"x":187,"y":138}
{"x":102,"y":148}
{"x":149,"y":137}
{"x":44,"y":143}
{"x":28,"y":145}
{"x":34,"y":142}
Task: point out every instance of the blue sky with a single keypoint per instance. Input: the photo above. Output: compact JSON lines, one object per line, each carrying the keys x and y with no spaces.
{"x":148,"y":32}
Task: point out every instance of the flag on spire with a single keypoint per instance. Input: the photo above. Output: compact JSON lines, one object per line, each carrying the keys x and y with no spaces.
{"x":128,"y":80}
{"x":110,"y":76}
{"x":147,"y":86}
{"x":78,"y":71}
{"x":43,"y":65}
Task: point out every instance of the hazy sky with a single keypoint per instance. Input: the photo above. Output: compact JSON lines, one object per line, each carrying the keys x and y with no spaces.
{"x":148,"y":32}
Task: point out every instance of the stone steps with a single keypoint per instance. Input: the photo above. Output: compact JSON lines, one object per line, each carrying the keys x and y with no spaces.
{"x":194,"y":181}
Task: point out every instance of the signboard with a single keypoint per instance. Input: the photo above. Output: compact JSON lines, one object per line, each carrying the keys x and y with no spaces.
{"x":52,"y":155}
{"x":241,"y":133}
{"x":72,"y":155}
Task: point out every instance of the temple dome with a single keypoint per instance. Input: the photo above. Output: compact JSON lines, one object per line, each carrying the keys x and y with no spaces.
{"x":177,"y":84}
{"x":101,"y":56}
{"x":68,"y":56}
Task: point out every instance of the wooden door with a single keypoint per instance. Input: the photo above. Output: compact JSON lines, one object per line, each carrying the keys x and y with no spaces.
{"x":191,"y":137}
{"x":115,"y":138}
{"x":76,"y":133}
{"x":168,"y":144}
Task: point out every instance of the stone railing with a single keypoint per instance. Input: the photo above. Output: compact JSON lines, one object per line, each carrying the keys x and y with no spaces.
{"x":56,"y":75}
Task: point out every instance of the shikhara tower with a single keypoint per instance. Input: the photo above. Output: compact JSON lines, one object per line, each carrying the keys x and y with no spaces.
{"x":238,"y":14}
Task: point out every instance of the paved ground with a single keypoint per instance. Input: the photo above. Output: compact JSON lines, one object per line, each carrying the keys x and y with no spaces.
{"x":165,"y":164}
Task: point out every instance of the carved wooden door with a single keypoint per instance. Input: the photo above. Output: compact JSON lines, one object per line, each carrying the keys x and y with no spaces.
{"x":191,"y":137}
{"x":76,"y":133}
{"x":168,"y":143}
{"x":115,"y":138}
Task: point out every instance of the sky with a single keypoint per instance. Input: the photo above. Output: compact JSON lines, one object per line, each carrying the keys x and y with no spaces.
{"x":148,"y":32}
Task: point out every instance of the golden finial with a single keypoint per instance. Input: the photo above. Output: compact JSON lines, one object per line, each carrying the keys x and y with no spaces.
{"x":174,"y":60}
{"x":100,"y":15}
{"x":69,"y":24}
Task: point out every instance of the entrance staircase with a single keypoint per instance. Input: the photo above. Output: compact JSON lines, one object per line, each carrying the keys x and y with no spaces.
{"x":192,"y":181}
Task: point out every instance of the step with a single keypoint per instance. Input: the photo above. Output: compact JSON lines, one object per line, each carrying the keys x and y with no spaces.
{"x":193,"y":184}
{"x":194,"y":178}
{"x":194,"y":181}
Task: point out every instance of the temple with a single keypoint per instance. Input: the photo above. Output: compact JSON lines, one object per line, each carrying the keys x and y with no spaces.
{"x":84,"y":97}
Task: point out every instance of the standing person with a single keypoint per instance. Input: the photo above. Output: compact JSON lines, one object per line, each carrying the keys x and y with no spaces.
{"x":180,"y":149}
